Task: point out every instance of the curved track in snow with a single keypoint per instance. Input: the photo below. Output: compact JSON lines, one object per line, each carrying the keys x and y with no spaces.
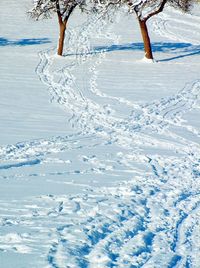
{"x":149,"y":217}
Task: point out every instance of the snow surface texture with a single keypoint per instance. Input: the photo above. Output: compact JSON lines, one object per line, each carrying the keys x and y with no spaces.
{"x":122,"y":189}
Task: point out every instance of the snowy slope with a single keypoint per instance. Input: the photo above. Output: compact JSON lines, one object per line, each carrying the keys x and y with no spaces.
{"x":100,"y":158}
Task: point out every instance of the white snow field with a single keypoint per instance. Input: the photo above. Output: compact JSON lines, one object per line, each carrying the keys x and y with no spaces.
{"x":100,"y":154}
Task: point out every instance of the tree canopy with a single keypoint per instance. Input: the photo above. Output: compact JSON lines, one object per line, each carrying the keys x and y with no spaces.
{"x":144,"y":10}
{"x":45,"y":8}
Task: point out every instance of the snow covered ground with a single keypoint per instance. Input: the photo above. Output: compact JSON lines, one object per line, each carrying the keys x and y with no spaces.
{"x":100,"y":155}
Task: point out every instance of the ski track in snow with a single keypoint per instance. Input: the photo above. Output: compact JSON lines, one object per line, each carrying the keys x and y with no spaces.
{"x":150,"y":220}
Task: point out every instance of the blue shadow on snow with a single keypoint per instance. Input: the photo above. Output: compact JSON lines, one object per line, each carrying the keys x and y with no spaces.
{"x":165,"y":47}
{"x":23,"y":42}
{"x":179,"y":50}
{"x":21,"y":164}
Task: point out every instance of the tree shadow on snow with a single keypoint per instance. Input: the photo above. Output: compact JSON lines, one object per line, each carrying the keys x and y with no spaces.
{"x":180,"y":50}
{"x":24,"y":42}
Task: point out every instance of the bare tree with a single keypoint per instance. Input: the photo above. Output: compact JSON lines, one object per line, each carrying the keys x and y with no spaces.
{"x":63,"y":9}
{"x":146,"y":9}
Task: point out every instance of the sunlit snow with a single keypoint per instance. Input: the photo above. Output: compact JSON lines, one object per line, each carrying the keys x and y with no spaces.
{"x":99,"y":149}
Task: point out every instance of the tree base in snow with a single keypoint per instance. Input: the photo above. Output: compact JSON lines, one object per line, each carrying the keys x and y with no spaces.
{"x":148,"y":60}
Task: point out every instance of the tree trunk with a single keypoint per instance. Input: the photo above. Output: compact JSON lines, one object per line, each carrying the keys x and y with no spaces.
{"x":62,"y":27}
{"x":146,"y":39}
